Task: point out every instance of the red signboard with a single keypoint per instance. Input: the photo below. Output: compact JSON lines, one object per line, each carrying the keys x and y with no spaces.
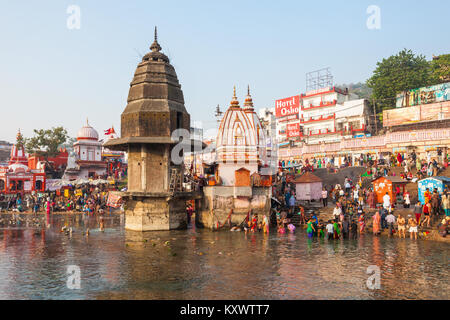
{"x":293,"y":130}
{"x":289,"y":118}
{"x":287,"y":107}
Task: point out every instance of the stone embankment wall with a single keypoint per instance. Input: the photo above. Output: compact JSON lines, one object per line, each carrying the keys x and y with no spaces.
{"x":218,"y":201}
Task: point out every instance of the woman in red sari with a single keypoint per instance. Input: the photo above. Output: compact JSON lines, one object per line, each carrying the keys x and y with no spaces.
{"x":362,"y":223}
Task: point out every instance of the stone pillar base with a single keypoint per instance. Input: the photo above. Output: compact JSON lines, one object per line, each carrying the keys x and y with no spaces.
{"x":155,"y":214}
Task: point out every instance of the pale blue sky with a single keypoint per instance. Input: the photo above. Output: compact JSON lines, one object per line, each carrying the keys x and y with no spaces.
{"x":50,"y":75}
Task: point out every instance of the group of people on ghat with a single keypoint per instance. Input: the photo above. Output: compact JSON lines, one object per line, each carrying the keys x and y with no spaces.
{"x":352,"y":199}
{"x":378,"y":165}
{"x":88,"y":199}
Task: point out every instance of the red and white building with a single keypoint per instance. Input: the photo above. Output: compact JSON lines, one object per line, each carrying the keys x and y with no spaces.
{"x":17,"y":177}
{"x":88,"y":161}
{"x":329,"y":114}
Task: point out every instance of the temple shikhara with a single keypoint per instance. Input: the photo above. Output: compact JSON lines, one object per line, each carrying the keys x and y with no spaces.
{"x":240,"y":141}
{"x":18,"y":177}
{"x":155,"y":198}
{"x":239,"y":185}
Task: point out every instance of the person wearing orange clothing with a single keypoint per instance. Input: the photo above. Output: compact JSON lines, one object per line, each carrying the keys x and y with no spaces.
{"x":427,"y":196}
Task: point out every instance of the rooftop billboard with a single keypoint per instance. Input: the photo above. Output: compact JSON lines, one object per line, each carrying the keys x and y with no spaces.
{"x":425,"y":95}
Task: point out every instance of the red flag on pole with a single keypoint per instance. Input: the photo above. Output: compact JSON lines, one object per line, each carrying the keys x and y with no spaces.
{"x":110,"y":131}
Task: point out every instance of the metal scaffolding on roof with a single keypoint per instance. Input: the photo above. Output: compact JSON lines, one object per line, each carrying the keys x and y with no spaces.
{"x":319,"y":79}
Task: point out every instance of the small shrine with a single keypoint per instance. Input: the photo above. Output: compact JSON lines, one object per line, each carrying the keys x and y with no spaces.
{"x":17,"y":177}
{"x":239,"y":189}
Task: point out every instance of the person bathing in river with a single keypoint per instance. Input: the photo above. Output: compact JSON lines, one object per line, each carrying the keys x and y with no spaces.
{"x":353,"y":230}
{"x":362,"y":223}
{"x":376,"y":224}
{"x":401,"y":222}
{"x":390,"y":219}
{"x":310,"y":228}
{"x":345,"y":228}
{"x":337,"y":229}
{"x":330,"y":230}
{"x":412,"y":228}
{"x":320,"y":227}
{"x":265,"y":224}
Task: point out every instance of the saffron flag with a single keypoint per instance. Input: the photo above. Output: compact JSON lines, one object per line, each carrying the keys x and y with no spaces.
{"x":110,"y":131}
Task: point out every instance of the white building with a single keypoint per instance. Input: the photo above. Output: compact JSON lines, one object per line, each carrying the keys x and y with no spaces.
{"x":269,"y":123}
{"x":88,"y":155}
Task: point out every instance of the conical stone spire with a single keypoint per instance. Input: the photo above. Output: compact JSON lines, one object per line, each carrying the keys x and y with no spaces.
{"x":155,"y":47}
{"x":155,"y":101}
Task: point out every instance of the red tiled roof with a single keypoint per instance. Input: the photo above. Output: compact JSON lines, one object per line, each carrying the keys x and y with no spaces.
{"x":308,"y":177}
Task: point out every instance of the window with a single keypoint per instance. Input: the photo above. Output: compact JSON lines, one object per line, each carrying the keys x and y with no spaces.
{"x":2,"y":185}
{"x":179,"y":120}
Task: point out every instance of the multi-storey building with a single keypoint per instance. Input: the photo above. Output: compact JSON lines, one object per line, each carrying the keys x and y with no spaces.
{"x":330,"y":114}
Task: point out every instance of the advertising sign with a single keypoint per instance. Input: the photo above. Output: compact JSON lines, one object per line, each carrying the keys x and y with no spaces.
{"x":288,"y":106}
{"x":293,"y":130}
{"x":428,"y":112}
{"x":425,"y":95}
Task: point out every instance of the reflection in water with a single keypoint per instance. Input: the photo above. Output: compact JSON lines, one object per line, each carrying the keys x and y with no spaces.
{"x":199,"y":264}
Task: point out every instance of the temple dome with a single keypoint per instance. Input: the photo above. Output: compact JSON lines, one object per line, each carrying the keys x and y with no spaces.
{"x":87,"y":132}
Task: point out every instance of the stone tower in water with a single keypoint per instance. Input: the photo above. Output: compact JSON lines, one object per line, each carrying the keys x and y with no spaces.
{"x":155,"y":109}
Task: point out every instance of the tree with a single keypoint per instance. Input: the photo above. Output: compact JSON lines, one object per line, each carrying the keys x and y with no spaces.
{"x":397,"y":74}
{"x":440,"y":68}
{"x":46,"y":142}
{"x":361,"y":90}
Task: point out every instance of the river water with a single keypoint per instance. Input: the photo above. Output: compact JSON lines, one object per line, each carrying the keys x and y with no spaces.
{"x":200,"y":264}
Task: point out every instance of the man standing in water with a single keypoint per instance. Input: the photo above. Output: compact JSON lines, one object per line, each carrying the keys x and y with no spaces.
{"x":345,"y":227}
{"x":330,"y":230}
{"x":412,"y":228}
{"x":390,"y":219}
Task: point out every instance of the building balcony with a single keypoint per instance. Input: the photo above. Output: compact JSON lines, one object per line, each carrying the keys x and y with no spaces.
{"x":321,"y":105}
{"x":316,"y":119}
{"x":323,"y":132}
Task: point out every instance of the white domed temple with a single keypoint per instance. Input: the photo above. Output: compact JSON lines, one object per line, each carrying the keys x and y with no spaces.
{"x":88,"y":155}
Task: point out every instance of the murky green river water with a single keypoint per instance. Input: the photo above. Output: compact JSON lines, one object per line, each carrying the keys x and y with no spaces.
{"x":200,"y":264}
